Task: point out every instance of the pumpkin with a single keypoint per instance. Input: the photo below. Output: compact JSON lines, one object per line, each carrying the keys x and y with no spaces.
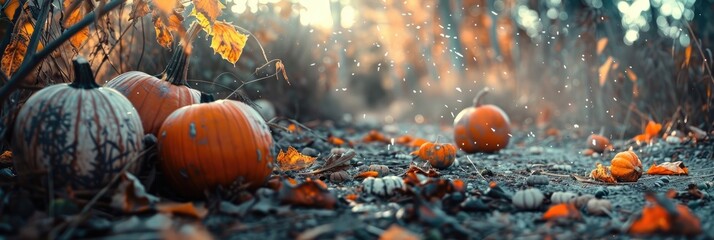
{"x":534,"y":180}
{"x":155,"y":97}
{"x":482,"y":128}
{"x":205,"y":145}
{"x":82,"y":133}
{"x":383,"y":170}
{"x":598,"y":143}
{"x":440,"y":156}
{"x":563,"y":197}
{"x":529,"y":199}
{"x":340,"y":176}
{"x":384,"y":186}
{"x":626,"y":167}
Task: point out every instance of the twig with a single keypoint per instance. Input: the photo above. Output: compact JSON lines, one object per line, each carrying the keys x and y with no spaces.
{"x":30,"y":63}
{"x":555,"y":175}
{"x":699,"y":48}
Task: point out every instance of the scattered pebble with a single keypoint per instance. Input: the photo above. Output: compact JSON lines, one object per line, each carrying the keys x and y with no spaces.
{"x":535,"y":180}
{"x":599,"y":206}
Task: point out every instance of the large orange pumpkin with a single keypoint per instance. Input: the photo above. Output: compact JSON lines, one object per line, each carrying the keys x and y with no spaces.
{"x":440,"y":156}
{"x":626,"y":167}
{"x":482,"y":128}
{"x":79,"y":134}
{"x":205,"y":145}
{"x":155,"y":97}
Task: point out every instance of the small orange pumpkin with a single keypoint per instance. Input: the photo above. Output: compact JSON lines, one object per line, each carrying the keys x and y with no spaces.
{"x":626,"y":167}
{"x":155,"y":97}
{"x":482,"y":128}
{"x":598,"y":143}
{"x":205,"y":145}
{"x":440,"y":156}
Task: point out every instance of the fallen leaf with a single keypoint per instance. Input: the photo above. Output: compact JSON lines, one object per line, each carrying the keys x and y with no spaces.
{"x":375,"y":136}
{"x":336,"y":141}
{"x":163,"y":30}
{"x":651,"y":131}
{"x":6,"y":159}
{"x":602,"y":173}
{"x":395,"y":232}
{"x":668,"y":168}
{"x":604,"y":70}
{"x":227,"y":41}
{"x":184,"y":209}
{"x":139,"y":9}
{"x":403,"y":140}
{"x":601,"y":44}
{"x":311,"y":193}
{"x":293,"y":160}
{"x":366,"y":174}
{"x":687,"y":55}
{"x":417,"y":142}
{"x":211,"y":9}
{"x":563,"y":210}
{"x":131,"y":196}
{"x":71,"y":18}
{"x":663,"y":216}
{"x":336,"y":161}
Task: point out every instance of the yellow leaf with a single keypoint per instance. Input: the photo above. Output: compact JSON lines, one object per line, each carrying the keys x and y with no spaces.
{"x":687,"y":55}
{"x":10,"y":8}
{"x":211,"y":9}
{"x":163,"y":31}
{"x":294,"y":160}
{"x":602,"y":173}
{"x":202,"y":21}
{"x":70,"y":19}
{"x":139,"y":9}
{"x":604,"y":70}
{"x":601,"y":44}
{"x":227,"y":41}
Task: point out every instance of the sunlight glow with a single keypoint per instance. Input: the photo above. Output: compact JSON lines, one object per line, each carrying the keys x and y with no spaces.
{"x":315,"y":12}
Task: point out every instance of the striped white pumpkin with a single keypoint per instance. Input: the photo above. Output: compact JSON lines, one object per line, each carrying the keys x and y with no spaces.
{"x":79,"y":133}
{"x":384,"y":186}
{"x":529,"y":199}
{"x":563,"y":197}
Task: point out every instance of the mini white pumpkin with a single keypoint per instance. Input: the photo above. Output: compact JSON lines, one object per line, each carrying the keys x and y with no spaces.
{"x":582,"y":201}
{"x":563,"y":197}
{"x":83,"y":133}
{"x":599,"y":206}
{"x":528,"y":199}
{"x":384,"y":186}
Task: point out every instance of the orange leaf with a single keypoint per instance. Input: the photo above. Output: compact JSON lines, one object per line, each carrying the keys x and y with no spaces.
{"x":311,"y":193}
{"x":163,"y":30}
{"x":10,"y":8}
{"x":417,"y":142}
{"x":335,"y":141}
{"x":211,"y":9}
{"x":167,"y":7}
{"x":563,"y":210}
{"x":656,"y":218}
{"x":374,"y":136}
{"x":669,"y":168}
{"x":70,"y":19}
{"x":227,"y":41}
{"x":404,"y":140}
{"x":604,"y":70}
{"x":367,"y":174}
{"x":651,"y":131}
{"x":601,"y":44}
{"x":395,"y":232}
{"x":687,"y":55}
{"x":631,"y":75}
{"x":294,"y":160}
{"x":601,"y":173}
{"x":184,"y":209}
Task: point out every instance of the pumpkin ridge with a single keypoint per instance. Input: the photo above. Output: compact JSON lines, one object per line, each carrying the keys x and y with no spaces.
{"x":243,"y":123}
{"x":217,"y":118}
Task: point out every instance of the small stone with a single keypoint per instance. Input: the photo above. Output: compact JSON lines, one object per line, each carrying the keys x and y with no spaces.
{"x":664,"y":179}
{"x":535,"y":180}
{"x":310,"y":152}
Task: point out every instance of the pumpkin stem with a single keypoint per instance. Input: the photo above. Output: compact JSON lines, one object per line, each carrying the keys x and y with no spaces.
{"x":83,"y":76}
{"x":479,"y":95}
{"x":177,"y":70}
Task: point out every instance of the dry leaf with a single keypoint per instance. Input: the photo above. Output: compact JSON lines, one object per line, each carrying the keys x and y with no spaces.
{"x":602,"y":173}
{"x":668,"y":168}
{"x":211,"y":9}
{"x":202,"y":21}
{"x":374,"y":136}
{"x":6,"y":159}
{"x":563,"y":210}
{"x":336,"y":141}
{"x":336,"y":161}
{"x":72,"y":18}
{"x":10,"y":8}
{"x":15,"y":51}
{"x":167,"y":7}
{"x":293,"y":160}
{"x":417,"y":142}
{"x":395,"y":232}
{"x":131,"y":196}
{"x":403,"y":140}
{"x":604,"y":70}
{"x":311,"y":193}
{"x":227,"y":41}
{"x":601,"y":44}
{"x":280,"y":67}
{"x":139,"y":9}
{"x":662,"y":215}
{"x":184,"y":209}
{"x":163,"y":31}
{"x":651,"y":132}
